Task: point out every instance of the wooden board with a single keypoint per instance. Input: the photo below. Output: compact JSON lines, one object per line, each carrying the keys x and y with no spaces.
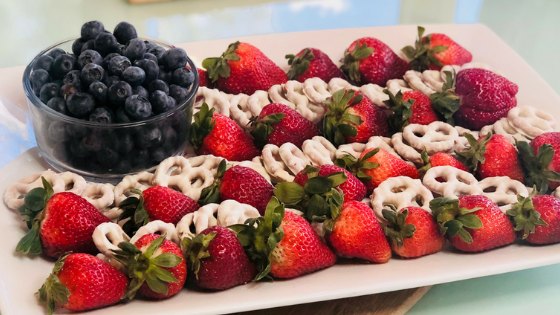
{"x":390,"y":303}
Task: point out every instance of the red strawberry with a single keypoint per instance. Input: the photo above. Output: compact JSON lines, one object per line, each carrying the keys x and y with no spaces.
{"x":382,"y":165}
{"x":541,"y":161}
{"x":357,"y":233}
{"x":352,"y":188}
{"x":220,"y":136}
{"x":203,"y":79}
{"x":158,"y":203}
{"x":278,"y":124}
{"x":156,"y":266}
{"x":243,"y":68}
{"x":59,"y":223}
{"x":538,"y":217}
{"x":369,"y":60}
{"x":413,"y":232}
{"x":493,"y":155}
{"x":284,"y":243}
{"x":81,"y":282}
{"x":434,"y":51}
{"x":241,"y":184}
{"x":473,"y":223}
{"x":351,"y":117}
{"x":218,"y":260}
{"x":312,"y":63}
{"x":412,"y":107}
{"x":440,"y":159}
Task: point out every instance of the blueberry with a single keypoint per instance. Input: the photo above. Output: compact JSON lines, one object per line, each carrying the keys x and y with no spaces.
{"x":150,"y":68}
{"x":169,"y":137}
{"x":92,"y":142}
{"x":180,"y":94}
{"x":48,"y":91}
{"x":108,"y":58}
{"x":57,"y":131}
{"x":80,"y":104}
{"x":117,"y":65}
{"x":148,"y":137}
{"x":165,"y":75}
{"x":123,"y":166}
{"x":89,"y":45}
{"x":135,"y":49}
{"x":37,"y":79}
{"x":158,"y":85}
{"x":183,"y":77}
{"x":91,"y":73}
{"x":55,"y":53}
{"x":139,"y":157}
{"x":44,"y":62}
{"x":125,"y":143}
{"x":151,"y":57}
{"x":149,"y":45}
{"x":159,"y":101}
{"x":99,"y":91}
{"x":174,"y":58}
{"x":134,"y":75}
{"x":107,"y":157}
{"x":91,"y":29}
{"x":77,"y":130}
{"x":138,"y":107}
{"x":78,"y":148}
{"x":106,"y":43}
{"x":58,"y":104}
{"x":120,"y":49}
{"x":122,"y":116}
{"x":61,"y":152}
{"x":77,"y":46}
{"x":158,"y":155}
{"x":59,"y":82}
{"x":118,"y":93}
{"x":73,"y":77}
{"x":157,"y":51}
{"x":62,"y":65}
{"x":67,"y":90}
{"x":111,"y":80}
{"x":89,"y":56}
{"x":172,"y":102}
{"x":140,"y":90}
{"x":124,"y":32}
{"x":102,"y":115}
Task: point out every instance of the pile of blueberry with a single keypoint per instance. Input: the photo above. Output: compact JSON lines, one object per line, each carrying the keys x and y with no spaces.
{"x":113,"y":78}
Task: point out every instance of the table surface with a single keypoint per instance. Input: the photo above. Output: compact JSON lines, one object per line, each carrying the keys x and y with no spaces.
{"x":526,"y":26}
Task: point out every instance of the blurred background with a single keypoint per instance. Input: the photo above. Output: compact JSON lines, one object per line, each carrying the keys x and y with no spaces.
{"x":26,"y":26}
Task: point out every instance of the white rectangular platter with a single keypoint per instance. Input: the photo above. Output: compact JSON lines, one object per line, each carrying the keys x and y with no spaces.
{"x":20,"y":276}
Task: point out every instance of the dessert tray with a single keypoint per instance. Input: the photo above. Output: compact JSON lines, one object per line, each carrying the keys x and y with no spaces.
{"x":20,"y":276}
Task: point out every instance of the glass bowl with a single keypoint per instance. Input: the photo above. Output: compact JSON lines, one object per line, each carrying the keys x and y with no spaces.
{"x":107,"y":152}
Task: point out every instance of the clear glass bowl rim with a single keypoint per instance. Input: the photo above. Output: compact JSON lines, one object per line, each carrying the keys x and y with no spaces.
{"x":42,"y":106}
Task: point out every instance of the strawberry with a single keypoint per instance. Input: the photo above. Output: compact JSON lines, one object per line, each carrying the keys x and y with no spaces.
{"x":58,"y":223}
{"x":434,"y":51}
{"x":241,"y":184}
{"x":243,"y":68}
{"x":283,"y":244}
{"x":278,"y":124}
{"x":351,"y":117}
{"x":156,"y":203}
{"x":541,"y":161}
{"x":369,"y":60}
{"x":216,"y":134}
{"x":440,"y":159}
{"x":413,"y":232}
{"x":312,"y":63}
{"x":537,"y":217}
{"x":203,"y":79}
{"x":473,"y":223}
{"x":156,"y":266}
{"x":218,"y":259}
{"x":493,"y":155}
{"x":412,"y":107}
{"x":357,"y":233}
{"x":81,"y":282}
{"x":352,"y":188}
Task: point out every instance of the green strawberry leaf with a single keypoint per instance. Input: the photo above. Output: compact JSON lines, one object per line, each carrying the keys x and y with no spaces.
{"x":421,"y":55}
{"x":299,"y":64}
{"x":351,"y":60}
{"x":219,"y":67}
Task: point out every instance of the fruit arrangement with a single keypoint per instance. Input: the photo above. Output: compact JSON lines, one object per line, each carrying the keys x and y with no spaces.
{"x":285,"y":173}
{"x":112,"y":78}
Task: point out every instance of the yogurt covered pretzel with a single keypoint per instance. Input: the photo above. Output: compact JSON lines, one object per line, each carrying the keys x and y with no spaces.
{"x":101,"y":196}
{"x":456,"y":183}
{"x":375,"y":94}
{"x":316,"y":90}
{"x":503,"y":127}
{"x":406,"y":151}
{"x":231,"y":212}
{"x":201,"y":219}
{"x":319,"y":150}
{"x":209,"y":162}
{"x":355,"y":149}
{"x":256,"y":164}
{"x":213,"y":98}
{"x":435,"y":137}
{"x":401,"y":191}
{"x":140,"y":181}
{"x":556,"y":193}
{"x":530,"y":121}
{"x":461,"y":142}
{"x":502,"y":190}
{"x":284,"y":162}
{"x":157,"y":227}
{"x":106,"y":238}
{"x":414,"y":80}
{"x":190,"y":180}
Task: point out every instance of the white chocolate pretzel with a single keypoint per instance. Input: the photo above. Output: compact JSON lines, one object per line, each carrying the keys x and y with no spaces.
{"x":502,"y":127}
{"x":414,"y":80}
{"x":256,"y":165}
{"x":316,"y":90}
{"x":502,"y":190}
{"x":239,"y":110}
{"x":530,"y":121}
{"x":73,"y":183}
{"x":401,"y":192}
{"x":375,"y":94}
{"x":15,"y":194}
{"x":213,"y":98}
{"x":556,"y":193}
{"x":433,"y":79}
{"x":397,"y":85}
{"x":171,"y":170}
{"x":284,"y":162}
{"x":106,"y":238}
{"x":231,"y":212}
{"x":190,"y":180}
{"x":209,"y":162}
{"x":293,"y":157}
{"x":355,"y":149}
{"x":457,"y":182}
{"x":435,"y":137}
{"x":199,"y":220}
{"x":140,"y":181}
{"x":101,"y":196}
{"x":157,"y":227}
{"x":461,"y":142}
{"x":319,"y":150}
{"x":405,"y":150}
